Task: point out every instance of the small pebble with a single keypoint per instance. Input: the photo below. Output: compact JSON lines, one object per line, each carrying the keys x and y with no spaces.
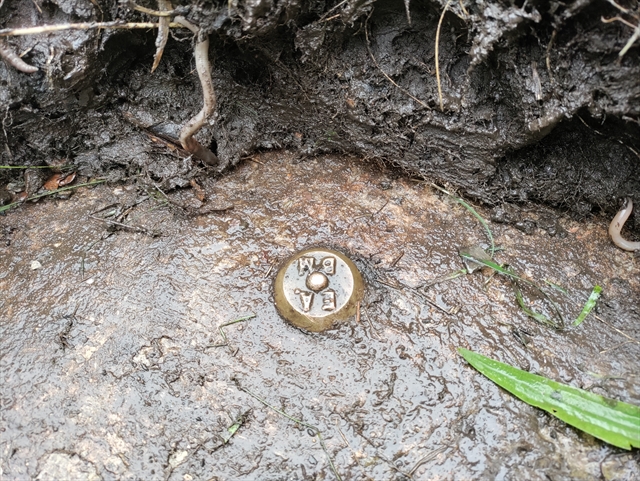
{"x":527,"y":226}
{"x":35,"y":265}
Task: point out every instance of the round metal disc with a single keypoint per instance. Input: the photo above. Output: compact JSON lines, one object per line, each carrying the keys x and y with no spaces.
{"x":316,"y":287}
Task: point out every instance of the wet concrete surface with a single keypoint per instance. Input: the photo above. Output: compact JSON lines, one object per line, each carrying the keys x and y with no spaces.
{"x":110,"y":369}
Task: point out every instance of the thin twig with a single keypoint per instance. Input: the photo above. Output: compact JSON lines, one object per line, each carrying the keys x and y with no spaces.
{"x":614,"y":347}
{"x":432,"y":455}
{"x":635,"y":27}
{"x":634,"y":37}
{"x":401,"y":287}
{"x":355,"y":456}
{"x":190,"y":211}
{"x":548,"y":55}
{"x":268,"y":272}
{"x":157,"y":13}
{"x":366,"y":315}
{"x":15,"y":32}
{"x":372,"y":214}
{"x":444,"y":10}
{"x":297,"y":421}
{"x":251,"y":159}
{"x":226,"y":342}
{"x":86,"y":251}
{"x":617,"y":330}
{"x":366,"y":33}
{"x":57,"y":191}
{"x":324,"y":17}
{"x":132,"y":228}
{"x":464,"y":10}
{"x":397,"y":259}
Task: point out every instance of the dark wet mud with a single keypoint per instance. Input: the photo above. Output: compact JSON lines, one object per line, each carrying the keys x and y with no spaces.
{"x":536,"y":103}
{"x":111,"y":366}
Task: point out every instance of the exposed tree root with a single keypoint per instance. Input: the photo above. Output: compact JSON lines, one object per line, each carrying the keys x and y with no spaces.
{"x":203,"y":67}
{"x":163,"y":34}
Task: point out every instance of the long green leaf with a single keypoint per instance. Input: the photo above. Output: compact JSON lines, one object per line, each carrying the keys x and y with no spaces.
{"x":612,"y":421}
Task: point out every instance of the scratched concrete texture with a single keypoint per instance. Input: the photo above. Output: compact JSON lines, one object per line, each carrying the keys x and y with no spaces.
{"x":111,"y":366}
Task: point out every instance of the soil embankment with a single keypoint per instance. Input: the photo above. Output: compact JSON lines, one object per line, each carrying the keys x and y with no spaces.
{"x":537,"y":104}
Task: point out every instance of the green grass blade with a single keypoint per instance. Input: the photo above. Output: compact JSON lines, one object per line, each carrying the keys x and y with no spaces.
{"x":507,"y":271}
{"x":494,"y":265}
{"x":9,"y":206}
{"x":557,"y":287}
{"x":482,"y":221}
{"x":473,"y":212}
{"x":233,"y":429}
{"x":559,"y":324}
{"x":448,"y":277}
{"x":591,"y":302}
{"x":612,"y":421}
{"x":530,"y":312}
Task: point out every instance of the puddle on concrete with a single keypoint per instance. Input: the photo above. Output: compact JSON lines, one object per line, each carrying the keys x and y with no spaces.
{"x":111,"y":373}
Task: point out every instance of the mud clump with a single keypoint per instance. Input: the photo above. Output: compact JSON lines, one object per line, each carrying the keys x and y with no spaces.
{"x":538,"y":106}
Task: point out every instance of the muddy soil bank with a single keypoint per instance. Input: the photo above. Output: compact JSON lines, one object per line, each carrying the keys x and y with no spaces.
{"x":537,"y":104}
{"x":111,"y":366}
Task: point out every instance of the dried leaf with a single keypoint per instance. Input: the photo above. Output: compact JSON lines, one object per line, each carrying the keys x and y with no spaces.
{"x":200,"y":194}
{"x":53,"y":182}
{"x":67,"y":180}
{"x":59,"y":180}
